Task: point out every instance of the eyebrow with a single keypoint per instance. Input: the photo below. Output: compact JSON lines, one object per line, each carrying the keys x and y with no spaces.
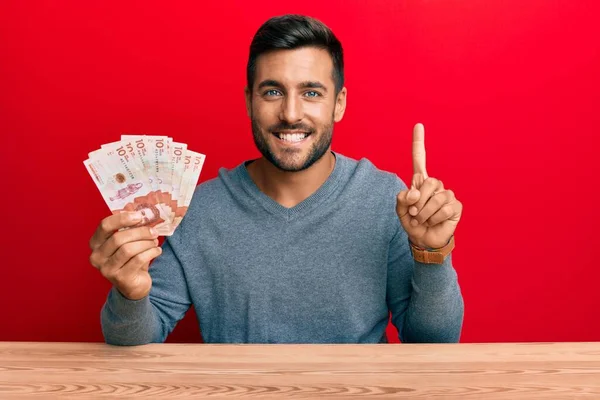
{"x":268,"y":82}
{"x":313,"y":85}
{"x":304,"y":85}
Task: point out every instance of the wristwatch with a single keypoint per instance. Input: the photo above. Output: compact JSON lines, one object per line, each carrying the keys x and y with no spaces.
{"x":432,"y":256}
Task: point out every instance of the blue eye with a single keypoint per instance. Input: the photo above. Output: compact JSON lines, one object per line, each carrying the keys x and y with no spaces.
{"x":272,"y":92}
{"x":312,"y":93}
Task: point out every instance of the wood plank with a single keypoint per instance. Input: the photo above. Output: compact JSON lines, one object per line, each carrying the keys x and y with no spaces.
{"x":493,"y":371}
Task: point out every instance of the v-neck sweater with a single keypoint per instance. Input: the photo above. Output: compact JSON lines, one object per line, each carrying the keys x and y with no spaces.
{"x":332,"y":269}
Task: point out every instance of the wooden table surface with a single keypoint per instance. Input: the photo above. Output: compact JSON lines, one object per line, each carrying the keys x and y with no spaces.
{"x":384,"y":371}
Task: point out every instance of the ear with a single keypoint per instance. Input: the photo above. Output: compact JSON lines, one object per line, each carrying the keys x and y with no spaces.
{"x":340,"y":105}
{"x":248,"y":93}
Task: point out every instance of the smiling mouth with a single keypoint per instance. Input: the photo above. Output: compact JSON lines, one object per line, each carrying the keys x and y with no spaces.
{"x":291,"y":137}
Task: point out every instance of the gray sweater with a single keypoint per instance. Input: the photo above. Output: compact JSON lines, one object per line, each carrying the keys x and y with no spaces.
{"x":329,"y":270}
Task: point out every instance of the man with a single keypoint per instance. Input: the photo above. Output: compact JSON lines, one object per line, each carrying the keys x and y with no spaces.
{"x":303,"y":245}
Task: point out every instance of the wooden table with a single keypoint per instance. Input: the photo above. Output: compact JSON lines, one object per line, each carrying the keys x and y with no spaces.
{"x":383,"y":371}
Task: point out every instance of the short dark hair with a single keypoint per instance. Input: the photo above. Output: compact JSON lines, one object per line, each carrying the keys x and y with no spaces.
{"x":292,"y":31}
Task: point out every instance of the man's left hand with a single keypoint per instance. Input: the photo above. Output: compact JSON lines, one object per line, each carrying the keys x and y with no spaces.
{"x":428,"y":212}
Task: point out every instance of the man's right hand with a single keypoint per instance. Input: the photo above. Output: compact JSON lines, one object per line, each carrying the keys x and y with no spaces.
{"x":123,"y":257}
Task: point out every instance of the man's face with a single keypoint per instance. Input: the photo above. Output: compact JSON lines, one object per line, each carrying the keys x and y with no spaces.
{"x":293,"y":106}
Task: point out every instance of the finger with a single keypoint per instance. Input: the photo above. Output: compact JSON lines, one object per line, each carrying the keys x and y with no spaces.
{"x":120,"y":238}
{"x":427,"y":189}
{"x":125,"y":254}
{"x":139,"y":262}
{"x":445,"y":213}
{"x":417,"y":181}
{"x":100,"y":256}
{"x":405,"y":199}
{"x":434,"y":204}
{"x":418,"y":151}
{"x":111,"y":224}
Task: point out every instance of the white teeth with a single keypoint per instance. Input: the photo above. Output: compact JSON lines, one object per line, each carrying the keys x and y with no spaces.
{"x":292,"y":137}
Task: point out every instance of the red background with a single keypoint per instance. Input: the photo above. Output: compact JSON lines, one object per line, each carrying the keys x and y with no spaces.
{"x":508,"y":92}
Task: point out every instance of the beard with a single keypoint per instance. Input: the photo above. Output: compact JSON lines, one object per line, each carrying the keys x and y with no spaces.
{"x":289,"y":160}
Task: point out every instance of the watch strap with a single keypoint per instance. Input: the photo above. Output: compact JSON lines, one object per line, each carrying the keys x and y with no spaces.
{"x":432,"y":256}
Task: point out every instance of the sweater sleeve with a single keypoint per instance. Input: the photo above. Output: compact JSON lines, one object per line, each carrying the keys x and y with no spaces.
{"x":425,"y":299}
{"x":127,"y":322}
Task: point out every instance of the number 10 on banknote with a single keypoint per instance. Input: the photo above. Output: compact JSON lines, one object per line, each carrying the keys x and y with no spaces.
{"x":150,"y":174}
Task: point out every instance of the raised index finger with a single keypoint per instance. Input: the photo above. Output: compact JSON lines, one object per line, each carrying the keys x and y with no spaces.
{"x":418,"y":150}
{"x":110,"y":224}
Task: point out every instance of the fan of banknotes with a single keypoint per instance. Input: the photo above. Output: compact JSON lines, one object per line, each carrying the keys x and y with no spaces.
{"x":150,"y":174}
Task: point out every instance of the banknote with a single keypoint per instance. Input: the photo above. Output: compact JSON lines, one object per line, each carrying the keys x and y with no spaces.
{"x":123,"y":153}
{"x":152,"y":151}
{"x":151,"y":174}
{"x":126,"y":189}
{"x":156,"y":159}
{"x":192,"y":163}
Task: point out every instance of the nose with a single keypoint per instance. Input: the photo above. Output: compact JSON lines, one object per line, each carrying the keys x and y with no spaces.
{"x":291,"y":110}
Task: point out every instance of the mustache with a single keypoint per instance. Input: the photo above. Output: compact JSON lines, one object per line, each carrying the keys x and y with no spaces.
{"x":284,"y":126}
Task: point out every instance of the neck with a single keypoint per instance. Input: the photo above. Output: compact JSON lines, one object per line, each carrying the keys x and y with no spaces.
{"x":291,"y":188}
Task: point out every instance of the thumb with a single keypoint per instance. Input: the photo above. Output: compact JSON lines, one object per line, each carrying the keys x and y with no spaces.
{"x":405,"y":199}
